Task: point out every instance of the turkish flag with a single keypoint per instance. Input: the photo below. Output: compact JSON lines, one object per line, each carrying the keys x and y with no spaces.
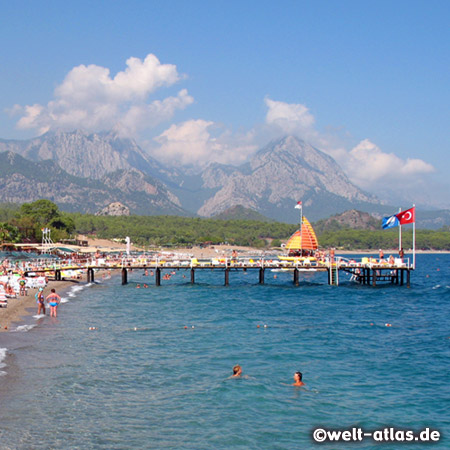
{"x":408,"y":216}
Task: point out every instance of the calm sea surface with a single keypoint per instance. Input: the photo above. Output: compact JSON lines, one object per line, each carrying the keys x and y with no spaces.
{"x":142,"y":380}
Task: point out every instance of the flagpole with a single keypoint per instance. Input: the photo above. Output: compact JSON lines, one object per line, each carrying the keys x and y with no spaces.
{"x":399,"y":233}
{"x":414,"y":239}
{"x":301,"y":230}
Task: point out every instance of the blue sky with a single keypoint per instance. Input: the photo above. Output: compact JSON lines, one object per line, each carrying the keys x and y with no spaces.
{"x":367,"y":82}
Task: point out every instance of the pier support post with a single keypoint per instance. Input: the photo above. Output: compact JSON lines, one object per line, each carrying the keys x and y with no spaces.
{"x":408,"y":278}
{"x":124,"y":276}
{"x":401,"y":277}
{"x":192,"y":276}
{"x":296,"y":277}
{"x":158,"y":276}
{"x":227,"y":276}
{"x":90,"y":275}
{"x":374,"y":277}
{"x":261,"y":275}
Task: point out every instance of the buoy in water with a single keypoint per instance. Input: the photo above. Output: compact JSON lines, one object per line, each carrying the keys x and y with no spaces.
{"x":387,"y":325}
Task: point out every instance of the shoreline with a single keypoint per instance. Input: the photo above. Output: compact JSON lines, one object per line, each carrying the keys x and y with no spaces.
{"x":19,"y":309}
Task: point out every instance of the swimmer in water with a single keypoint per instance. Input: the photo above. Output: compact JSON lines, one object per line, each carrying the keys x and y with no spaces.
{"x":237,"y":371}
{"x":298,"y":379}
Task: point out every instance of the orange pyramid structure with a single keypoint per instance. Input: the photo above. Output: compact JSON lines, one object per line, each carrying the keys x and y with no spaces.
{"x":307,"y":241}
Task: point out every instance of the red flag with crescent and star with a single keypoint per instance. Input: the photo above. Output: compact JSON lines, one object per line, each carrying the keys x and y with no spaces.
{"x":408,"y":216}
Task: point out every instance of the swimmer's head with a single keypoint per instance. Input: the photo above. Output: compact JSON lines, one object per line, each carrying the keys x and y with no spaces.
{"x":298,"y":376}
{"x":237,"y":369}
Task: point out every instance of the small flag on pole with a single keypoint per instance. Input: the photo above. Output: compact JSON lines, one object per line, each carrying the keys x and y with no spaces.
{"x":390,"y":222}
{"x":298,"y":205}
{"x":408,"y":216}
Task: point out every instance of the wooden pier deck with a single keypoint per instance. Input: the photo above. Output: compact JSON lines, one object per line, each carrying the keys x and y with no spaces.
{"x":364,"y":272}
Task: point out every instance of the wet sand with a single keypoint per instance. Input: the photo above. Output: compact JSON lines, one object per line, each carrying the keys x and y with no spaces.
{"x":24,"y":306}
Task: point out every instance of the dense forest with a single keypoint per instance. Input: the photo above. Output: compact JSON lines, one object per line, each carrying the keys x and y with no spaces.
{"x":25,"y":222}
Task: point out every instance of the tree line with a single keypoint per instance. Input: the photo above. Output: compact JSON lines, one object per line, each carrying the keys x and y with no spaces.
{"x":24,"y":223}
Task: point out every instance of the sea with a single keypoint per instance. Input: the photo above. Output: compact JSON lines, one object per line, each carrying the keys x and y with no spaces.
{"x":149,"y":368}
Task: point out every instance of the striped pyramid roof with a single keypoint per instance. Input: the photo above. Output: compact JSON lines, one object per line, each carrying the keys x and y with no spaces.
{"x":308,"y":240}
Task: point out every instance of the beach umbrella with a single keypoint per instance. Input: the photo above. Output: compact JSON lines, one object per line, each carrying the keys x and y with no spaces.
{"x":308,"y":239}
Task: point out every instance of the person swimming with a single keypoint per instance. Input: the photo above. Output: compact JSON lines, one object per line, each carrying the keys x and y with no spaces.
{"x":237,"y":371}
{"x":298,"y":376}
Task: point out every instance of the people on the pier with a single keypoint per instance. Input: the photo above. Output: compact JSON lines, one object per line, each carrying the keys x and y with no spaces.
{"x":53,"y":300}
{"x":401,"y":254}
{"x":381,"y":255}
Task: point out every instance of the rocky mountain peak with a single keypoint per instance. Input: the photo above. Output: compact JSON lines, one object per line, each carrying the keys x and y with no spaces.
{"x":283,"y":172}
{"x":114,"y":209}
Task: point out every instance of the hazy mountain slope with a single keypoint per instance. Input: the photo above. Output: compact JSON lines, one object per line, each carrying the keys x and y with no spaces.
{"x":278,"y":176}
{"x":22,"y":181}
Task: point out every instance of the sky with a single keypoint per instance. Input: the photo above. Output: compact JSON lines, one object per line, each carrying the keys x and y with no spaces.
{"x":196,"y":82}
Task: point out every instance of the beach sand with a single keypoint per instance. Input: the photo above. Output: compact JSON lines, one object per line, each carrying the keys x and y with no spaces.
{"x":23,"y":306}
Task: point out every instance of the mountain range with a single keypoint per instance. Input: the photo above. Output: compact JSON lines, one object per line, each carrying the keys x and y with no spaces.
{"x":88,"y":171}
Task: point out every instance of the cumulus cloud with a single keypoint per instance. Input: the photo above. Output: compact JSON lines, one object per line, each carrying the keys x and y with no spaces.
{"x":201,"y":142}
{"x":91,"y":99}
{"x":367,"y":163}
{"x":290,"y":118}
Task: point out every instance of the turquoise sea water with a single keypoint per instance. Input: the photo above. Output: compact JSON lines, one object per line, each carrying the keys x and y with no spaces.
{"x":143,"y":380}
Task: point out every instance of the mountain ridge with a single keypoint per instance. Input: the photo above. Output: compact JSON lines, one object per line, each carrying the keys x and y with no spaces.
{"x":271,"y":182}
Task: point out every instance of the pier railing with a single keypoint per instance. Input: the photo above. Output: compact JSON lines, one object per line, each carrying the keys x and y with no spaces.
{"x":153,"y":262}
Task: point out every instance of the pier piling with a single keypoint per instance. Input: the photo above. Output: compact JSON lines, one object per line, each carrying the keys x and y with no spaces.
{"x":124,"y":276}
{"x":261,"y":275}
{"x":296,"y":276}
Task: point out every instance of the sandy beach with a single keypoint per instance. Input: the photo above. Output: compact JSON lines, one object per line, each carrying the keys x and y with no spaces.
{"x":24,"y":306}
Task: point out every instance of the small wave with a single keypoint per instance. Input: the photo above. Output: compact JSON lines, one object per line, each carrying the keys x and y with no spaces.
{"x":78,"y":288}
{"x":38,"y":316}
{"x":3,"y":352}
{"x":24,"y":328}
{"x":437,"y":286}
{"x":64,"y":300}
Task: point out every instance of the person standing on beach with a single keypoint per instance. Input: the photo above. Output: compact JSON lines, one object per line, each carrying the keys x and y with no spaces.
{"x":40,"y":300}
{"x":53,"y":300}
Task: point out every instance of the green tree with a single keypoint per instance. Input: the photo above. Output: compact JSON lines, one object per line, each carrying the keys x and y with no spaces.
{"x":42,"y":211}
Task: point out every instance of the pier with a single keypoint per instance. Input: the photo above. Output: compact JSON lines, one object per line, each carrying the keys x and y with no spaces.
{"x":364,"y":271}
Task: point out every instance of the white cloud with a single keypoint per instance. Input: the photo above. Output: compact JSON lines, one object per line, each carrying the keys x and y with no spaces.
{"x":290,"y":118}
{"x":91,"y":99}
{"x":192,"y":142}
{"x":366,"y":164}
